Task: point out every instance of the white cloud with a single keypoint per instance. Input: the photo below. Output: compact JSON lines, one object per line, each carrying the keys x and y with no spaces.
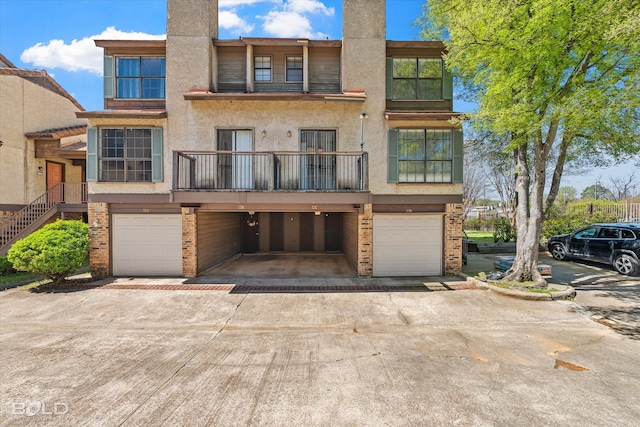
{"x":292,"y":19}
{"x":230,"y":20}
{"x":310,"y":6}
{"x":79,"y":55}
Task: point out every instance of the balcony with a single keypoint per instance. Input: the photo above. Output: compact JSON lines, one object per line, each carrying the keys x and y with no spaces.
{"x":270,"y":171}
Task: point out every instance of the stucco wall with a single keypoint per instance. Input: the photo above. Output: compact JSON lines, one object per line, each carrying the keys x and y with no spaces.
{"x":32,"y":108}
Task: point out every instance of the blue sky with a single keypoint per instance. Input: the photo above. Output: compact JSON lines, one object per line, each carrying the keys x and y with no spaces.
{"x":57,"y":35}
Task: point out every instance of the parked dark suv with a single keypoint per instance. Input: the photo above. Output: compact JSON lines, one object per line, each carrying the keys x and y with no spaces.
{"x":614,"y":244}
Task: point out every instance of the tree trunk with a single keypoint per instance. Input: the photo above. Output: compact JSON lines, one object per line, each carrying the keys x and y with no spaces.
{"x":528,"y":222}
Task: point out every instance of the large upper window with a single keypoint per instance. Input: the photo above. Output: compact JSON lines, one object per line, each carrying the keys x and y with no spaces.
{"x":262,"y":68}
{"x":140,"y":77}
{"x":294,"y":68}
{"x":417,"y":78}
{"x":424,"y":155}
{"x":125,"y":155}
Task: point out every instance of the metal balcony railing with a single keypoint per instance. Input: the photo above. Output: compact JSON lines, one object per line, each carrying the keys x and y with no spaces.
{"x":270,"y":171}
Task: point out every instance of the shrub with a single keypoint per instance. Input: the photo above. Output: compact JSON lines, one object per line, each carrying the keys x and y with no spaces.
{"x":567,"y":224}
{"x":503,"y":230}
{"x":54,"y":251}
{"x":5,"y":266}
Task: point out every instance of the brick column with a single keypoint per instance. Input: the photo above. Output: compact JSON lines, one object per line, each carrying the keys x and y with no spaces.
{"x":453,"y":239}
{"x":365,"y":242}
{"x":99,"y":240}
{"x":189,"y":243}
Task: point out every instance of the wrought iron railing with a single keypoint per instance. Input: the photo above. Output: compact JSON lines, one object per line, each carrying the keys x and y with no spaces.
{"x":270,"y":171}
{"x":64,"y":192}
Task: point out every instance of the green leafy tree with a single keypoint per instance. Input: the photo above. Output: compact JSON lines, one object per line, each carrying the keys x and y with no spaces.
{"x":559,"y":79}
{"x":596,"y":192}
{"x":54,"y":251}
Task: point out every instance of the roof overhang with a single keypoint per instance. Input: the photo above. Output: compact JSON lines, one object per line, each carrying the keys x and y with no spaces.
{"x":122,"y":114}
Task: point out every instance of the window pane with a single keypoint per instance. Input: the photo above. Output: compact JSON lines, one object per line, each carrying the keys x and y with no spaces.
{"x":404,"y":68}
{"x":153,"y":67}
{"x":438,"y":171}
{"x":138,"y":170}
{"x":430,"y":89}
{"x":262,"y":68}
{"x":112,"y":143}
{"x":294,"y":68}
{"x":128,"y":88}
{"x":411,"y":171}
{"x":411,"y":144}
{"x":263,"y":75}
{"x":153,"y":88}
{"x":404,"y":89}
{"x":438,"y":144}
{"x":430,"y":68}
{"x":112,"y":170}
{"x":127,"y":67}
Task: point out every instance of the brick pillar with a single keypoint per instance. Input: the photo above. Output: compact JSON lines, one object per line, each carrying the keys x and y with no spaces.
{"x":99,"y":247}
{"x":453,"y":239}
{"x":365,"y":242}
{"x":189,"y":243}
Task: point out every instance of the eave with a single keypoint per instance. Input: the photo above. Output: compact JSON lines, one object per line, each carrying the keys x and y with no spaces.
{"x":423,"y":115}
{"x":123,"y":114}
{"x":355,"y":96}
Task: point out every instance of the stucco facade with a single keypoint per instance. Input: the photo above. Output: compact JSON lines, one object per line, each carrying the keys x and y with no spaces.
{"x":278,"y":145}
{"x":33,"y":104}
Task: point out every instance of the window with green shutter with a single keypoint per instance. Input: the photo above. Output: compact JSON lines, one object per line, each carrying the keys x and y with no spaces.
{"x":424,"y":156}
{"x":124,"y":154}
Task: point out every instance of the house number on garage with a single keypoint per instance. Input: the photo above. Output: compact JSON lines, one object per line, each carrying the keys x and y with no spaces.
{"x":145,"y":210}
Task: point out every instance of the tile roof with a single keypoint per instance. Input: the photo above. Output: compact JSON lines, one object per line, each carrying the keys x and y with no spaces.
{"x":58,"y":133}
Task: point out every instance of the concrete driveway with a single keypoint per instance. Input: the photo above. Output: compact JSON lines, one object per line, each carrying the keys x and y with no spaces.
{"x":214,"y":357}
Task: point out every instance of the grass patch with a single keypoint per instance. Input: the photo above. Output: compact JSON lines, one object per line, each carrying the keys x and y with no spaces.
{"x":17,"y":277}
{"x":480,"y":236}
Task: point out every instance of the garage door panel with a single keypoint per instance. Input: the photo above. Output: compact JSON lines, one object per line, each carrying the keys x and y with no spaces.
{"x":147,"y":244}
{"x":407,"y":245}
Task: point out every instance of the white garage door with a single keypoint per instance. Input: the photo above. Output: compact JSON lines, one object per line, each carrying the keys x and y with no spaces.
{"x":149,"y":245}
{"x":407,"y":245}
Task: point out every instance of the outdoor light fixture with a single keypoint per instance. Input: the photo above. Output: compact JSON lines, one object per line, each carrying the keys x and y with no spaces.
{"x":289,"y":133}
{"x":40,"y":170}
{"x":363,"y":117}
{"x":264,"y":133}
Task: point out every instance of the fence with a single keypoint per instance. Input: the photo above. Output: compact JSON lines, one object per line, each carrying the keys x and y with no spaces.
{"x":623,"y":211}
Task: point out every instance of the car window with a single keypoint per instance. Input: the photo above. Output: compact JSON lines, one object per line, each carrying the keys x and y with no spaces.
{"x":608,"y":233}
{"x":628,"y":234}
{"x":586,"y":233}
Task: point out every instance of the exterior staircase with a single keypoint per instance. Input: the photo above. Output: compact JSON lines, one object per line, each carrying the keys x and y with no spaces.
{"x":64,"y":197}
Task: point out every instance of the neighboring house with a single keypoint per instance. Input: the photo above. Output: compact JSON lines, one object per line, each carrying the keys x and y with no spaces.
{"x":208,"y":148}
{"x":42,"y":152}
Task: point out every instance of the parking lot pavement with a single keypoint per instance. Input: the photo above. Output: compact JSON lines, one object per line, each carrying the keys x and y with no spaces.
{"x":602,"y":294}
{"x":157,"y":357}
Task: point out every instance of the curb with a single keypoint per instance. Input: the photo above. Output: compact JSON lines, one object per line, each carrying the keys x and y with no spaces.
{"x":565,"y":292}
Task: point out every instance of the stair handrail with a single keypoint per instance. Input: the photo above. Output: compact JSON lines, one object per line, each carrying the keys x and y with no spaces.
{"x":26,"y":216}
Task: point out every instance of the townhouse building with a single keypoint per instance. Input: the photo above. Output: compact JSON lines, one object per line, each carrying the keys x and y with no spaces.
{"x":209,"y":148}
{"x":42,"y":153}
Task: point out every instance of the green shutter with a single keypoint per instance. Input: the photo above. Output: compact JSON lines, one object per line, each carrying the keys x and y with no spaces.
{"x":108,"y":77}
{"x":92,"y":154}
{"x":156,"y":155}
{"x":389,"y":71}
{"x":447,"y":83}
{"x":458,"y":150}
{"x":392,"y":155}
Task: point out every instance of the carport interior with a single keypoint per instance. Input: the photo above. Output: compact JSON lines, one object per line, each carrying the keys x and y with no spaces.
{"x":222,"y":235}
